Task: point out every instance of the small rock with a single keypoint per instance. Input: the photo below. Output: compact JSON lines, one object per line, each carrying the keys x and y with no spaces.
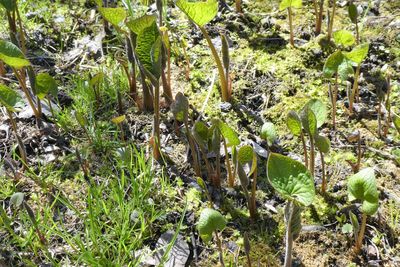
{"x":225,"y":106}
{"x":179,"y":253}
{"x":371,"y":251}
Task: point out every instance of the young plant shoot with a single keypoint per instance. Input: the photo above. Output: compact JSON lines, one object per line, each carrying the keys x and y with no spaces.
{"x":293,"y":122}
{"x":323,"y":144}
{"x":200,"y":13}
{"x":293,"y":182}
{"x":210,"y":222}
{"x":362,"y":187}
{"x":289,"y":5}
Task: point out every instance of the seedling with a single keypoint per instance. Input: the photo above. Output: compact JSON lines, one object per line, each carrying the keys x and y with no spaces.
{"x":46,"y":86}
{"x":202,"y":184}
{"x":323,"y":144}
{"x":245,"y":155}
{"x":293,"y":122}
{"x":9,"y":99}
{"x":353,"y":15}
{"x":309,"y":122}
{"x":289,"y":4}
{"x":211,"y":221}
{"x":17,"y":200}
{"x":362,"y":187}
{"x":200,"y":13}
{"x":94,"y":83}
{"x":180,"y":109}
{"x":268,"y":133}
{"x":293,"y":182}
{"x":119,"y":121}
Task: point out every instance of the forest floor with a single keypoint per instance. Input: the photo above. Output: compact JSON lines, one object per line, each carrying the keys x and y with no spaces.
{"x":100,"y":201}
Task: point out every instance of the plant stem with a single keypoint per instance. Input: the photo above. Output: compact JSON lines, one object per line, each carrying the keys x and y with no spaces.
{"x":21,"y":32}
{"x":319,"y":19}
{"x":238,"y":5}
{"x":27,"y":94}
{"x":289,"y":237}
{"x":231,"y":178}
{"x":147,"y":96}
{"x":331,"y":19}
{"x":388,"y":106}
{"x":130,"y":44}
{"x":334,"y":98}
{"x":303,"y":141}
{"x":253,"y":208}
{"x":323,"y":188}
{"x":156,"y":125}
{"x":192,"y":148}
{"x":224,"y":84}
{"x":361,"y":234}
{"x":358,"y":153}
{"x":312,"y":155}
{"x":291,"y":26}
{"x":219,"y":244}
{"x":357,"y":33}
{"x":21,"y":146}
{"x":354,"y":89}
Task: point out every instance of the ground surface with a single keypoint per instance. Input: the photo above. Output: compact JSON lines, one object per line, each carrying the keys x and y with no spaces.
{"x":116,"y":212}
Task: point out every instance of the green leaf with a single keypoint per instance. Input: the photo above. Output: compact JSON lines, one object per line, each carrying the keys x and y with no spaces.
{"x":228,"y":133}
{"x":332,"y":64}
{"x":180,"y":107}
{"x":200,"y":12}
{"x":17,"y":199}
{"x":296,"y":219}
{"x":45,"y":84}
{"x":322,"y":143}
{"x":8,"y":97}
{"x":81,"y":119}
{"x":10,"y":5}
{"x":200,"y":133}
{"x":396,"y":121}
{"x":347,"y":228}
{"x":319,"y":109}
{"x":268,"y":132}
{"x":210,"y":220}
{"x":293,"y":122}
{"x":345,"y":69}
{"x":291,"y":179}
{"x":290,"y":3}
{"x":12,"y":55}
{"x":362,"y":186}
{"x":245,"y":154}
{"x":353,"y":13}
{"x":140,"y":24}
{"x":344,"y":38}
{"x":354,"y":223}
{"x":309,"y":121}
{"x":115,"y":16}
{"x":118,"y":120}
{"x":96,"y":79}
{"x":358,"y":54}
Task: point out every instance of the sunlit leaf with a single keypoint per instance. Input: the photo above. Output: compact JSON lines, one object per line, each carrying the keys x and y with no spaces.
{"x":17,"y":199}
{"x":268,"y":133}
{"x":309,"y":121}
{"x":293,"y":122}
{"x":8,"y":97}
{"x":210,"y":220}
{"x":119,"y":119}
{"x":344,"y":38}
{"x":45,"y":84}
{"x":200,"y":12}
{"x":319,"y":109}
{"x":229,"y":134}
{"x":396,"y":121}
{"x":322,"y":143}
{"x":115,"y":16}
{"x":358,"y":54}
{"x":12,"y":55}
{"x":290,"y":3}
{"x":332,"y":63}
{"x":180,"y":107}
{"x":362,"y":186}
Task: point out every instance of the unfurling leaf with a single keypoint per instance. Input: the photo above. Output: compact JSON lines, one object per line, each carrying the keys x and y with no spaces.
{"x":309,"y":121}
{"x":353,"y":14}
{"x":210,"y":220}
{"x":180,"y":107}
{"x":319,"y":109}
{"x":12,"y":55}
{"x":268,"y":133}
{"x":291,"y":179}
{"x":45,"y":84}
{"x":96,"y":79}
{"x":322,"y":143}
{"x":293,"y":122}
{"x":362,"y":186}
{"x":200,"y":12}
{"x":8,"y":97}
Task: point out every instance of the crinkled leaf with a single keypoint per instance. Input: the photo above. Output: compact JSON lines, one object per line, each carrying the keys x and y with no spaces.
{"x":358,"y":54}
{"x":229,"y":134}
{"x":45,"y":84}
{"x":293,"y":122}
{"x":8,"y":97}
{"x":180,"y":107}
{"x":245,"y":154}
{"x":332,"y":63}
{"x":353,"y":13}
{"x":319,"y":109}
{"x":210,"y":220}
{"x":200,"y":12}
{"x":322,"y":143}
{"x":115,"y":16}
{"x":268,"y":132}
{"x":17,"y":199}
{"x":290,"y":3}
{"x":291,"y":179}
{"x":362,"y":186}
{"x":10,"y":5}
{"x":309,"y":121}
{"x":119,"y":119}
{"x":344,"y":38}
{"x":140,"y":24}
{"x":12,"y":55}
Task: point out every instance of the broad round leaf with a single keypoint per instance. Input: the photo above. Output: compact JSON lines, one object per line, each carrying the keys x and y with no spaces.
{"x":319,"y":109}
{"x":180,"y":107}
{"x":12,"y":55}
{"x":228,"y":133}
{"x":200,"y":12}
{"x":245,"y":154}
{"x":332,"y":63}
{"x":362,"y":186}
{"x":113,"y":15}
{"x":17,"y":199}
{"x":8,"y":97}
{"x":293,"y":122}
{"x":309,"y":121}
{"x":290,"y":3}
{"x":322,"y":143}
{"x":344,"y":38}
{"x":210,"y":220}
{"x":45,"y":84}
{"x":268,"y":132}
{"x":358,"y":54}
{"x":291,"y":179}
